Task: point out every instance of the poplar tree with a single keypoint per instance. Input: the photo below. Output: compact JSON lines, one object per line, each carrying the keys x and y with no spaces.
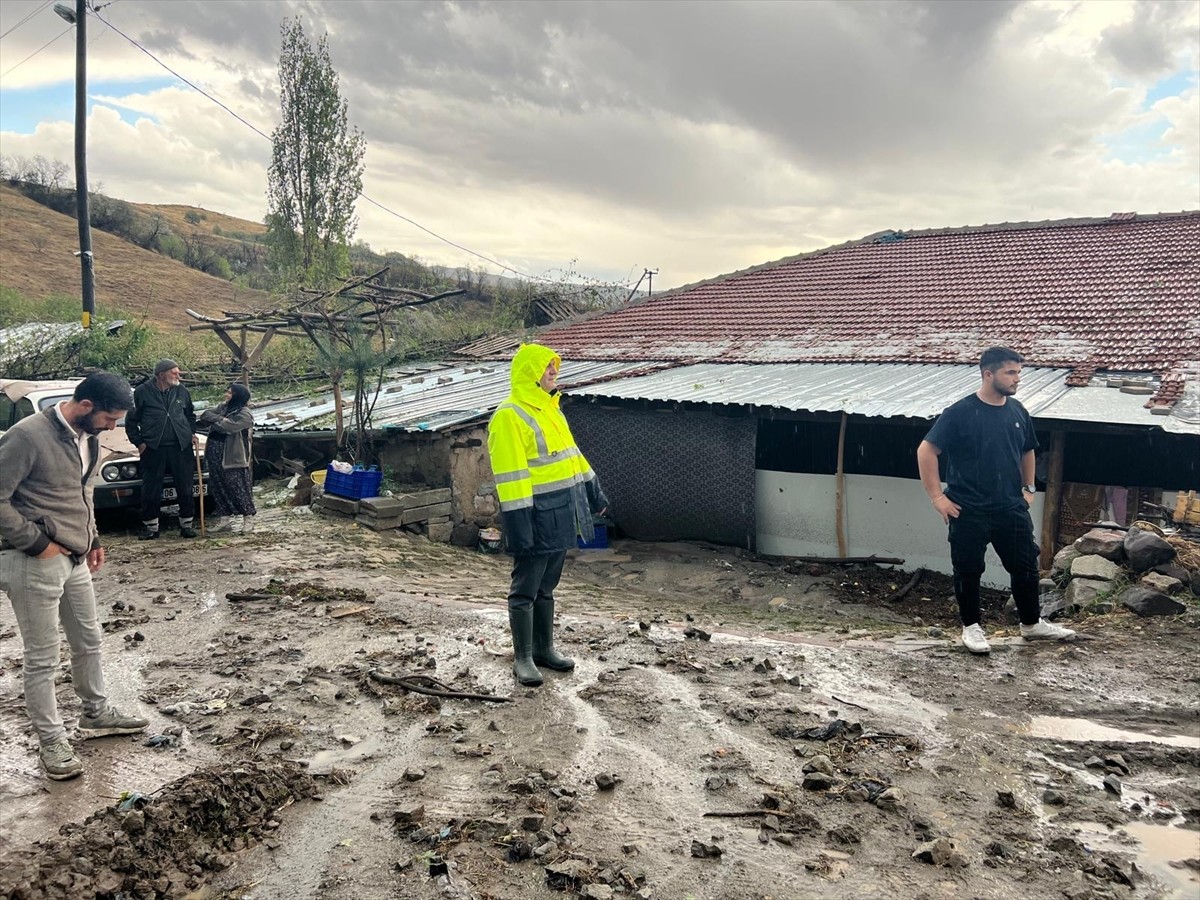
{"x":316,"y":166}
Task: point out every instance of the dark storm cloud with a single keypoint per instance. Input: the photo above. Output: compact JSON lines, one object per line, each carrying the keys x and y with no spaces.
{"x":1148,"y":43}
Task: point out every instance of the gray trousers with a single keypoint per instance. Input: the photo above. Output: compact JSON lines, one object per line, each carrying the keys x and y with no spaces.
{"x":43,"y":593}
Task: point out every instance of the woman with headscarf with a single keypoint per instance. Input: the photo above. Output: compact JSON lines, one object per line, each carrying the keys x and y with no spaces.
{"x":227,"y":452}
{"x":547,"y":493}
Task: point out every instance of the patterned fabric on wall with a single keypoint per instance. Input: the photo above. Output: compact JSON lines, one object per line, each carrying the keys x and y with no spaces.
{"x":674,"y":474}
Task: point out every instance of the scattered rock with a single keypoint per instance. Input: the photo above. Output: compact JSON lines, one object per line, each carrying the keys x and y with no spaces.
{"x":1117,"y":762}
{"x":891,"y":800}
{"x":1105,"y":542}
{"x":605,"y":781}
{"x":1054,"y":603}
{"x":1147,"y":602}
{"x":413,"y":774}
{"x":844,"y":834}
{"x":1145,"y":550}
{"x":1006,"y":799}
{"x":533,"y":822}
{"x":1095,"y":567}
{"x":1063,"y":559}
{"x":701,"y":850}
{"x":820,"y":763}
{"x":1164,"y":584}
{"x":817,"y":781}
{"x":1053,"y":798}
{"x":697,"y":633}
{"x":937,"y":852}
{"x":1173,"y":570}
{"x":1081,"y":593}
{"x":596,"y":892}
{"x":408,"y":815}
{"x":1112,"y":784}
{"x":714,"y":783}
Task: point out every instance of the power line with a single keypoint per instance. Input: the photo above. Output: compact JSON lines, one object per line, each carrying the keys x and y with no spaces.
{"x":36,"y":52}
{"x":363,"y":196}
{"x":28,"y":16}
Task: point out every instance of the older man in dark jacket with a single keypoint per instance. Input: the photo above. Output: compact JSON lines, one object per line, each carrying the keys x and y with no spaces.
{"x":162,"y":425}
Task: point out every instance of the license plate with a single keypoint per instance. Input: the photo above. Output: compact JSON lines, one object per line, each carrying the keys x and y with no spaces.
{"x":170,"y":493}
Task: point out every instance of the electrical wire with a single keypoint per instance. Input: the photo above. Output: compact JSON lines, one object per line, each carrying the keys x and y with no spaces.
{"x":36,"y":52}
{"x":363,"y":196}
{"x":28,"y":16}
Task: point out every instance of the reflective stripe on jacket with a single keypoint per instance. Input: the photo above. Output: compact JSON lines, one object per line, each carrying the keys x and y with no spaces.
{"x":547,"y":489}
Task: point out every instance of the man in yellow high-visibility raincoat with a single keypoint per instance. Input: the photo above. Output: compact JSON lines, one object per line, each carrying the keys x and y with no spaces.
{"x":547,"y":494}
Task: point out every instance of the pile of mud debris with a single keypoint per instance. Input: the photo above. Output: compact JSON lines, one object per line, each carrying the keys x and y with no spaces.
{"x":159,"y":846}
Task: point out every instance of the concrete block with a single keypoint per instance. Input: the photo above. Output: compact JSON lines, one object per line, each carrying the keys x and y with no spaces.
{"x":424,"y":498}
{"x":377,"y":524}
{"x":342,"y":505}
{"x":381,"y":507}
{"x":437,"y":520}
{"x":423,"y":513}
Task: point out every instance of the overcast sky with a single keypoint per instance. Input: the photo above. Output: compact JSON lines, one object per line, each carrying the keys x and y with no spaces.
{"x":693,"y":137}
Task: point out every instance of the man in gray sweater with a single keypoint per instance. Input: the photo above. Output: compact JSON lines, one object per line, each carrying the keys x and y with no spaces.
{"x":49,"y":548}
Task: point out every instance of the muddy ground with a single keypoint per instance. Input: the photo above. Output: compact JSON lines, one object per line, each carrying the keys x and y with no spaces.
{"x":708,"y":682}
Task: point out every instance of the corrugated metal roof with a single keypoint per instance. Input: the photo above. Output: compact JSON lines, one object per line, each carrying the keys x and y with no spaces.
{"x":427,"y":398}
{"x":877,"y":389}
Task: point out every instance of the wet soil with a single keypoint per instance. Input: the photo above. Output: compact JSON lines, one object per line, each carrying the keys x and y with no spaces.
{"x":670,"y":764}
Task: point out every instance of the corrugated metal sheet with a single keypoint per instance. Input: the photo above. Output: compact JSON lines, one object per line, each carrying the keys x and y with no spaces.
{"x":876,"y":389}
{"x":427,"y":398}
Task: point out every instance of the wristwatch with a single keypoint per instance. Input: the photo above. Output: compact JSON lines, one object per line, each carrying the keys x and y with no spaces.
{"x":1029,"y":488}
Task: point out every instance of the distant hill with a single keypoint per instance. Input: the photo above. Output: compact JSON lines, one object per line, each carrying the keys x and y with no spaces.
{"x":37,"y":259}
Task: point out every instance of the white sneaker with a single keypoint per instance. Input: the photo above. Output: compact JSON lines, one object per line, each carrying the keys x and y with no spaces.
{"x":219,"y":523}
{"x":974,"y":639}
{"x":1046,"y":631}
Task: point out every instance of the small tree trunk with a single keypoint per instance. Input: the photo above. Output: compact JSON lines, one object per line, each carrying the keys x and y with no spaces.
{"x":340,"y":425}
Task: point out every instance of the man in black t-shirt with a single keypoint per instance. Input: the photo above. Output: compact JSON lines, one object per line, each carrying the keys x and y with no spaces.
{"x":989,"y":443}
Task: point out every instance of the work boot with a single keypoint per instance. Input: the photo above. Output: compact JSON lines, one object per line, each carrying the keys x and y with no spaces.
{"x":187,"y":531}
{"x":520,"y":622}
{"x":543,"y":638}
{"x":146,"y":533}
{"x":59,"y":760}
{"x":110,"y":722}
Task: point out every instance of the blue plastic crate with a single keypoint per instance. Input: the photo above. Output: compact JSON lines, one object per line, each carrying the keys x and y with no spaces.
{"x":354,"y":485}
{"x":599,"y":539}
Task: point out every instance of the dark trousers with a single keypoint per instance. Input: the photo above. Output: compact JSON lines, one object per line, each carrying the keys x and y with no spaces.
{"x":535,"y":578}
{"x":1010,"y":531}
{"x":181,"y":463}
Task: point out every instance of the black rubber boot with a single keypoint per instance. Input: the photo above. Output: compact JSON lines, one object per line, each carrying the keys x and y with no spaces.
{"x":543,"y":638}
{"x":520,"y":622}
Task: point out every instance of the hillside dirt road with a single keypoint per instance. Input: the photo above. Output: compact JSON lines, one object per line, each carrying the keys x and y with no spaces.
{"x":735,"y":728}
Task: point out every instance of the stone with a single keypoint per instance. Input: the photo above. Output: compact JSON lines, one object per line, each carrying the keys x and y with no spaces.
{"x":605,"y":782}
{"x":818,"y":781}
{"x":343,"y":505}
{"x":380,"y":507}
{"x":820,"y":763}
{"x":1173,"y":570}
{"x":701,"y":850}
{"x":1105,"y":542}
{"x":1046,"y":585}
{"x":484,"y":506}
{"x":1146,"y":602}
{"x":1095,"y":567}
{"x":715,"y":783}
{"x":414,"y":774}
{"x":533,"y":822}
{"x":465,"y":535}
{"x":1054,"y":603}
{"x":440,"y":532}
{"x":844,"y":834}
{"x":1053,"y":798}
{"x":1082,"y":593}
{"x":891,"y":800}
{"x":422,"y":513}
{"x":1011,"y":615}
{"x":937,"y":852}
{"x":1112,"y":784}
{"x":1145,"y":550}
{"x":408,"y":815}
{"x":1063,"y":559}
{"x":1164,"y":584}
{"x":596,"y":892}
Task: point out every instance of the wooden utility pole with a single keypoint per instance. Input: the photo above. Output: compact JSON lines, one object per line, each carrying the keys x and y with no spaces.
{"x":1053,"y":500}
{"x":82,"y":211}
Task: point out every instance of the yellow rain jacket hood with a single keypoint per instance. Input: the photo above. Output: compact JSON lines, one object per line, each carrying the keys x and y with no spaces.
{"x":547,"y":489}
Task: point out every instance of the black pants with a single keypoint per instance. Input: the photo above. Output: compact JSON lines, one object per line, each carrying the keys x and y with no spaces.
{"x":535,"y":578}
{"x":1010,"y":531}
{"x":181,"y":463}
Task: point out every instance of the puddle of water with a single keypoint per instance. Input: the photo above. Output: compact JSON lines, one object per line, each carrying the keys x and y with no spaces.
{"x":1064,"y":729}
{"x":1156,"y":846}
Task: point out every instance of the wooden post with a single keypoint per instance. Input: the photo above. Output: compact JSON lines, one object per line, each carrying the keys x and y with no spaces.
{"x":1053,"y":497}
{"x":242,"y":360}
{"x":840,"y":498}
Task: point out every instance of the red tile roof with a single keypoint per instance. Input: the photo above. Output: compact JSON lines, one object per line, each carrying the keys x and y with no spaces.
{"x":1119,"y":294}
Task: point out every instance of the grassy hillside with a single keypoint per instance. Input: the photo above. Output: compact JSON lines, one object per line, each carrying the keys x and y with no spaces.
{"x":37,"y":247}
